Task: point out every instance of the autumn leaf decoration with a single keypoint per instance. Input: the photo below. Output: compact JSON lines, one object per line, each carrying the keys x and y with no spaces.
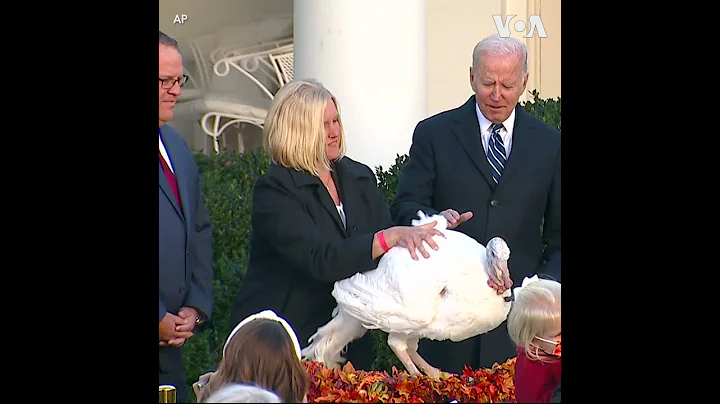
{"x":348,"y":385}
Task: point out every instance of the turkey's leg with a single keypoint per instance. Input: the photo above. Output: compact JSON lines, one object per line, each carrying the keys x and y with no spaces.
{"x":400,"y":348}
{"x":429,"y":370}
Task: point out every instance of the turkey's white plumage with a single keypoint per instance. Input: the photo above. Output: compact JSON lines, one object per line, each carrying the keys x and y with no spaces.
{"x":442,"y":297}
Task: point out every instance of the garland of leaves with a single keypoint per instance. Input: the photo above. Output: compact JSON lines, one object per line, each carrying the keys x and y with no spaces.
{"x":348,"y":385}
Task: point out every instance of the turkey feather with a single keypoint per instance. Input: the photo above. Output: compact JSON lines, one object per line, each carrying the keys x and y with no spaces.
{"x":331,"y":340}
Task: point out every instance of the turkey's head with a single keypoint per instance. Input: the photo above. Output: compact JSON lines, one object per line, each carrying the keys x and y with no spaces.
{"x":498,"y":254}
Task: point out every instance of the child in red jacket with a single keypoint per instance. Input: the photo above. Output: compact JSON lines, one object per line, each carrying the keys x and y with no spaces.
{"x":534,"y":327}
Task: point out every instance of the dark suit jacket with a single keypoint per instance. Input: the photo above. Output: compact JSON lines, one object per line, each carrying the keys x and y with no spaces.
{"x":186,"y":255}
{"x":299,"y":246}
{"x":448,"y":169}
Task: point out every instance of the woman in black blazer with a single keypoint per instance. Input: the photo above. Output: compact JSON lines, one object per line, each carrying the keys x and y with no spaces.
{"x":317,"y":217}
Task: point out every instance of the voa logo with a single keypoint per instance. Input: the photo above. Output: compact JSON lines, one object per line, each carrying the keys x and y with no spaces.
{"x":534,"y":23}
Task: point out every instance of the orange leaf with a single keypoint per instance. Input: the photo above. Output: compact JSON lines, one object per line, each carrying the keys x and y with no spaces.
{"x":348,"y":368}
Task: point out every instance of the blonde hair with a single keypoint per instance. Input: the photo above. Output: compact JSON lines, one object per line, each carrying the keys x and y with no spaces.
{"x":293,"y":133}
{"x":535,"y":312}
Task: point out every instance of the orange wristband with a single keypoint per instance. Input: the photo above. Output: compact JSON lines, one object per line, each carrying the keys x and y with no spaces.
{"x":381,"y":239}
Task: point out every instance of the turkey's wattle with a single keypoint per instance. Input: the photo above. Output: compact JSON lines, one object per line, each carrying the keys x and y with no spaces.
{"x":444,"y":297}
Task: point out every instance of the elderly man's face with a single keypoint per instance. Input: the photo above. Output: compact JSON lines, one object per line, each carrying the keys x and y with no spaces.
{"x":498,"y":85}
{"x":170,"y":68}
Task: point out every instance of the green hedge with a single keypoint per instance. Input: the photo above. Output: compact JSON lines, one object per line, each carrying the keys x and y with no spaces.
{"x":227,"y":181}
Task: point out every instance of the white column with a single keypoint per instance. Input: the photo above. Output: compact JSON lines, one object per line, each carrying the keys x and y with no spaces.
{"x":371,"y":54}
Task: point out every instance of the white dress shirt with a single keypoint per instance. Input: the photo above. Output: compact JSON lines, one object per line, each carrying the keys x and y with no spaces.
{"x":163,"y":152}
{"x":505,"y":133}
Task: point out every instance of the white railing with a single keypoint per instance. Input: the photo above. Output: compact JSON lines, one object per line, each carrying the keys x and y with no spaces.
{"x":258,"y":60}
{"x":231,"y":51}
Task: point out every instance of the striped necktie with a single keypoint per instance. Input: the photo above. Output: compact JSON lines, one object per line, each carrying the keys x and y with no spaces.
{"x":496,"y":152}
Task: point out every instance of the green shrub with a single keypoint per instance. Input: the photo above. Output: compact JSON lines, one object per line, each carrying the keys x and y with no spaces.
{"x":227,"y":183}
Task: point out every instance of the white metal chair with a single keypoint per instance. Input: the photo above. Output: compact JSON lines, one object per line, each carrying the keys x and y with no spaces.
{"x":283,"y":64}
{"x":268,"y":66}
{"x":257,"y":64}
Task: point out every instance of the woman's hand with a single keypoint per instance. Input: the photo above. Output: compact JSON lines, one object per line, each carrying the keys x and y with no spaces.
{"x":201,"y":383}
{"x":412,"y":237}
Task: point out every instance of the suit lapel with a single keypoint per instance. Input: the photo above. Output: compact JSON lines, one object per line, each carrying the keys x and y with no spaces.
{"x":321,"y":194}
{"x":350,"y":194}
{"x":467,"y":131}
{"x":522,"y":144}
{"x":165,"y":187}
{"x":180,"y":168}
{"x":326,"y":200}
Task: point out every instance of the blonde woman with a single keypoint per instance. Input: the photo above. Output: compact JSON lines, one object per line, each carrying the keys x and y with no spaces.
{"x":534,"y":326}
{"x":317,"y":217}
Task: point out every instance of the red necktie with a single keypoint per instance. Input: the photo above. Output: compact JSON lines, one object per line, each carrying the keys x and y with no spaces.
{"x":171,"y":179}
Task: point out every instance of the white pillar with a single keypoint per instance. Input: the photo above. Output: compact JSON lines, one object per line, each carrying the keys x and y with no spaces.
{"x":371,"y":54}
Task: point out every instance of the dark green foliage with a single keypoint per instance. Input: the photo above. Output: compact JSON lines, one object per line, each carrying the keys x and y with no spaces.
{"x":547,"y":110}
{"x":227,"y":182}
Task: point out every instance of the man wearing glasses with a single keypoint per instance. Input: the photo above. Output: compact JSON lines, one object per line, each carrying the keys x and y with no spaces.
{"x":186,"y":257}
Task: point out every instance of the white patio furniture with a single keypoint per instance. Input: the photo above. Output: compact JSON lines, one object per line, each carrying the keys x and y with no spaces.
{"x":268,"y":66}
{"x":257,"y":63}
{"x":283,"y":64}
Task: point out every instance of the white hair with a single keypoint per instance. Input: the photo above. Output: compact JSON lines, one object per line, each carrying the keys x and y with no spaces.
{"x":242,"y":393}
{"x":536,"y":312}
{"x":498,"y":46}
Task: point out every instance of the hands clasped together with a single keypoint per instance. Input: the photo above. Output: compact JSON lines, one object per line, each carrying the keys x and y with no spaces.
{"x":174,"y":330}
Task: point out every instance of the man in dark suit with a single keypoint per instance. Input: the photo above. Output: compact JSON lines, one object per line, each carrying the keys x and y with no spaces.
{"x":186,"y":266}
{"x":498,"y":165}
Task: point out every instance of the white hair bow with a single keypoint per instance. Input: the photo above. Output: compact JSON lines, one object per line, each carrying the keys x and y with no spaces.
{"x":267,"y":315}
{"x":525,"y":282}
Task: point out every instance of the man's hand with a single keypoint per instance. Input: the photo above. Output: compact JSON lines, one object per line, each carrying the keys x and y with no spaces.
{"x":190,"y":315}
{"x":169,"y":335}
{"x":178,"y":342}
{"x":455,"y":219}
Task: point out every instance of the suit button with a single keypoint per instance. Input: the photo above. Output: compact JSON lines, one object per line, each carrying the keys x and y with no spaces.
{"x":182,"y":291}
{"x":187,"y":253}
{"x":493,"y":203}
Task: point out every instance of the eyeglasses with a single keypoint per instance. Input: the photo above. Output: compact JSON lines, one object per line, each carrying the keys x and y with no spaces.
{"x":169,"y":83}
{"x":557,"y":346}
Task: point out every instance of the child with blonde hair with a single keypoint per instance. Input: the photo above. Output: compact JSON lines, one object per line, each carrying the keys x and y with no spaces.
{"x":534,"y":326}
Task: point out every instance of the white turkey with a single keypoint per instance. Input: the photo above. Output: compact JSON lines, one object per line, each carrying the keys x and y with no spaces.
{"x":443,"y":297}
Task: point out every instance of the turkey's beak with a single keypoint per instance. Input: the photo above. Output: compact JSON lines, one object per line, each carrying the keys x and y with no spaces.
{"x":510,"y":298}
